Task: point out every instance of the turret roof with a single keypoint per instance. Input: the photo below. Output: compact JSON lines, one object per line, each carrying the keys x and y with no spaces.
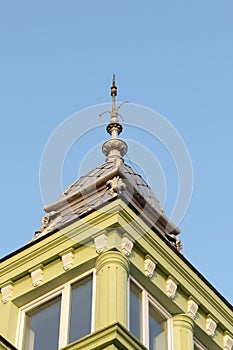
{"x":111,"y":180}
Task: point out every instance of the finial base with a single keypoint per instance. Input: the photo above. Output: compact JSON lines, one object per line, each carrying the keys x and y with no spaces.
{"x":115,"y":148}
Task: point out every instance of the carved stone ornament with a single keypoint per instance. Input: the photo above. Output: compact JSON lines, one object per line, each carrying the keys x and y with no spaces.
{"x":36,"y":276}
{"x":116,"y":185}
{"x":47,"y":223}
{"x":149,"y":267}
{"x":67,"y":260}
{"x":227,"y":342}
{"x":192,"y":308}
{"x":45,"y":220}
{"x":6,"y":293}
{"x":127,"y":246}
{"x":210,"y":326}
{"x":100,"y":243}
{"x":115,"y":147}
{"x":171,"y":287}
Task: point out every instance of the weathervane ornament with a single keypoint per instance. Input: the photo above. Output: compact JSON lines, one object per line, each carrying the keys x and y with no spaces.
{"x":114,"y":147}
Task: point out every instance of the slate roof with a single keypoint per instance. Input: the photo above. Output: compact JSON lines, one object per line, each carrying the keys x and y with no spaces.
{"x":106,"y":182}
{"x":128,"y":174}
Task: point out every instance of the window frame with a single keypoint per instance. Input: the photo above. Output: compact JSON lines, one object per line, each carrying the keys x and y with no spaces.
{"x":147,"y":299}
{"x":65,"y":292}
{"x":198,"y":345}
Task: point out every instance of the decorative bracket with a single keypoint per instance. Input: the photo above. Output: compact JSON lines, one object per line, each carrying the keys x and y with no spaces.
{"x":127,"y":246}
{"x":36,"y":276}
{"x":192,"y":308}
{"x":149,"y":267}
{"x":227,"y":342}
{"x":171,"y":287}
{"x":67,"y":259}
{"x":116,"y":185}
{"x":100,"y":243}
{"x":210,"y":326}
{"x":6,"y":292}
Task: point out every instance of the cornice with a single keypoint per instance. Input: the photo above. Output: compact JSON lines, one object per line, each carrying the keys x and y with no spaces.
{"x":117,"y":213}
{"x":49,"y":248}
{"x":190,"y":279}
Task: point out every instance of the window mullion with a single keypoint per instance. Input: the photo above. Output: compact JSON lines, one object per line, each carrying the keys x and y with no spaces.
{"x":145,"y":319}
{"x":169,"y":335}
{"x":20,"y":332}
{"x":93,"y":308}
{"x":128,"y":302}
{"x":65,"y":316}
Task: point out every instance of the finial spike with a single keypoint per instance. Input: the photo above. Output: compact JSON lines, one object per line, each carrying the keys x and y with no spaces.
{"x":113,"y":88}
{"x":114,"y":128}
{"x":113,"y":80}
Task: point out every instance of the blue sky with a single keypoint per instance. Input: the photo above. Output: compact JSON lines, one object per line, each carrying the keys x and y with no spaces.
{"x":175,"y":57}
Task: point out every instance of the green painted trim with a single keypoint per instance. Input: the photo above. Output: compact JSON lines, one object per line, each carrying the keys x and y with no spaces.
{"x":114,"y":334}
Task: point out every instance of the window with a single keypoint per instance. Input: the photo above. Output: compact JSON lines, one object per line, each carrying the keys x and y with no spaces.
{"x":135,"y":310}
{"x":58,"y":318}
{"x":148,"y":320}
{"x":80,"y":313}
{"x":156,"y":330}
{"x":42,"y":326}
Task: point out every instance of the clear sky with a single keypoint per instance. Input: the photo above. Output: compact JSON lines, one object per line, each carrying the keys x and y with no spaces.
{"x":174,"y":57}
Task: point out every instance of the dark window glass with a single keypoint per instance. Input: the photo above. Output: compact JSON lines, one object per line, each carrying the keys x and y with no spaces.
{"x":42,"y":326}
{"x":135,"y":310}
{"x":81,"y":305}
{"x":156,"y":330}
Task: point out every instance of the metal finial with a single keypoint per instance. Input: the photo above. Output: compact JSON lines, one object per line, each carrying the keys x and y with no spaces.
{"x":114,"y":81}
{"x":114,"y":148}
{"x":114,"y":94}
{"x":114,"y":128}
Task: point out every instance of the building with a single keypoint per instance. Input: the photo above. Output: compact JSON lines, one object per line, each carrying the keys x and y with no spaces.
{"x":106,"y":271}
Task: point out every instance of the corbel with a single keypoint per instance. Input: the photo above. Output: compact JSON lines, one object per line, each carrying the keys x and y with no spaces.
{"x":36,"y":275}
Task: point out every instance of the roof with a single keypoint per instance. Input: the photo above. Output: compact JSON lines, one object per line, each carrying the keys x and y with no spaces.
{"x":126,"y":171}
{"x":101,"y":185}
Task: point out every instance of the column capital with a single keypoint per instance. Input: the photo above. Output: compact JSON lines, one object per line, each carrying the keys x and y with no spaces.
{"x":112,"y":257}
{"x":183,"y":320}
{"x":183,"y":327}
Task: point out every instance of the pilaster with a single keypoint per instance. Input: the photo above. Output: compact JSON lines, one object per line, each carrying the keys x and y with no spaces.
{"x":183,"y":332}
{"x":112,"y":270}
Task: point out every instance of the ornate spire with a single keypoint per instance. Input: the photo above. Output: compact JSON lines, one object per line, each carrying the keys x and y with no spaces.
{"x":114,"y":148}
